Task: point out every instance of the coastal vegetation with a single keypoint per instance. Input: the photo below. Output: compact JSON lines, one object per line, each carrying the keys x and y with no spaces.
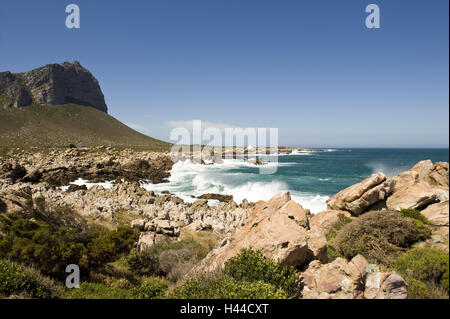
{"x":379,"y":236}
{"x":387,"y":238}
{"x":426,"y":270}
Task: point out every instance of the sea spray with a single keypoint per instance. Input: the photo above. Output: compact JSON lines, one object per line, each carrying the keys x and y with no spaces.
{"x":232,"y":177}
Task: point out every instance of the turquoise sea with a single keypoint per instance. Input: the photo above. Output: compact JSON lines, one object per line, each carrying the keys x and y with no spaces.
{"x":311,"y":177}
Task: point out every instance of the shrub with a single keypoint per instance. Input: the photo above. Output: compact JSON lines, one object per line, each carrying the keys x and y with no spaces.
{"x":142,"y":262}
{"x":417,"y":289}
{"x":332,"y":253}
{"x":226,"y":287}
{"x":172,"y":259}
{"x":52,"y":249}
{"x":426,"y":271}
{"x":15,"y":280}
{"x":150,"y":289}
{"x":415,"y":214}
{"x":252,"y":266}
{"x":36,"y":243}
{"x":342,"y":221}
{"x":379,"y":236}
{"x":53,"y":289}
{"x":110,"y":245}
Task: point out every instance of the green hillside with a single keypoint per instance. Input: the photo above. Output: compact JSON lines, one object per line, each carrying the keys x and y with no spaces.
{"x":41,"y":127}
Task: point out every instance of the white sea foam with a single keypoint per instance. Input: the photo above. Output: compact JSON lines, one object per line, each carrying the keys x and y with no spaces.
{"x":315,"y":203}
{"x":189,"y":179}
{"x":297,"y":152}
{"x":386,"y":169}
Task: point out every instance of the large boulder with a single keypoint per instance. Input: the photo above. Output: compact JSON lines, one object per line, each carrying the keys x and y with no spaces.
{"x":416,"y":196}
{"x":438,"y":215}
{"x":357,"y":198}
{"x":381,"y":285}
{"x":424,"y":184}
{"x":435,"y":174}
{"x":340,"y":279}
{"x":439,"y":174}
{"x":354,"y":279}
{"x":276,"y":228}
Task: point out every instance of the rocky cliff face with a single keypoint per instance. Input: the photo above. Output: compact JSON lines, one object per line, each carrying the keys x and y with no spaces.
{"x":53,"y":84}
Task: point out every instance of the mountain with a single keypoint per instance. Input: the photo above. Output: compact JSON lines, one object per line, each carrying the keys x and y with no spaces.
{"x":53,"y":84}
{"x":58,"y":105}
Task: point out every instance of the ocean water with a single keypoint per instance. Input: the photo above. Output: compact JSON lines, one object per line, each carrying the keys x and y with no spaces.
{"x":310,"y":177}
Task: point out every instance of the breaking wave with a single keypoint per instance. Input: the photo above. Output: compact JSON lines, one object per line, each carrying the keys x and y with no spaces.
{"x":232,"y":177}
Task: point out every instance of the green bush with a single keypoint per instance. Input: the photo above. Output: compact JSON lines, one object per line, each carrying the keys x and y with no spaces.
{"x":226,"y":287}
{"x":110,"y":245}
{"x":332,"y":253}
{"x":252,"y":266}
{"x":342,"y":221}
{"x":151,"y":289}
{"x":415,"y":214}
{"x":379,"y":236}
{"x":426,"y":271}
{"x":52,"y":249}
{"x":15,"y":280}
{"x":172,"y":259}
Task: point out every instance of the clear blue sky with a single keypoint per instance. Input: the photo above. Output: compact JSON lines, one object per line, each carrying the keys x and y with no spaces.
{"x":310,"y":68}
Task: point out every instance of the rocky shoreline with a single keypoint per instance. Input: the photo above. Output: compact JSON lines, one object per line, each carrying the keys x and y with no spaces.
{"x":280,"y":228}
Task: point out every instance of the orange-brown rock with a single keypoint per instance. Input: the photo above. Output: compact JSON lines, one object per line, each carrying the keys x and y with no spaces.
{"x":438,"y":215}
{"x":277,"y":229}
{"x":417,"y":196}
{"x":340,"y":279}
{"x":359,"y":197}
{"x":424,"y":184}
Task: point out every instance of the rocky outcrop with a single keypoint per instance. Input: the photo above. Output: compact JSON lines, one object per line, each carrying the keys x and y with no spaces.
{"x":155,"y":231}
{"x":354,"y":279}
{"x":359,"y":197}
{"x":14,"y":91}
{"x":424,"y":184}
{"x":279,"y":229}
{"x":41,"y":176}
{"x":382,"y":285}
{"x":438,"y":215}
{"x":337,"y":280}
{"x":59,"y":168}
{"x":416,"y":196}
{"x":53,"y":84}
